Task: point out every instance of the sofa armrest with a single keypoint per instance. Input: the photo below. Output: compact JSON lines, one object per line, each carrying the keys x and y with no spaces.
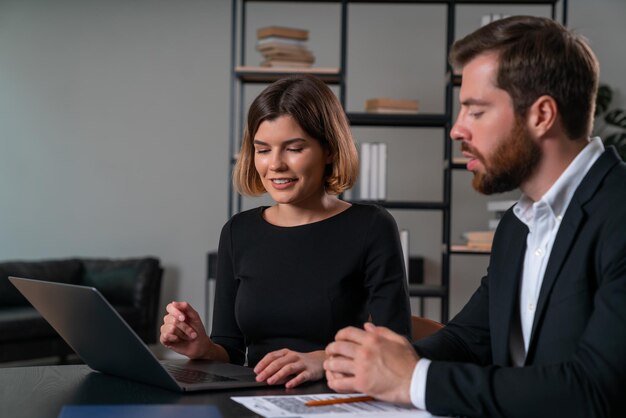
{"x":61,"y":271}
{"x":132,"y":282}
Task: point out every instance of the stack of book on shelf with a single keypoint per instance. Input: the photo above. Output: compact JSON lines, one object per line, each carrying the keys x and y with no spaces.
{"x":481,"y":240}
{"x":498,"y":207}
{"x":372,"y":183}
{"x":386,"y":105}
{"x":284,"y":47}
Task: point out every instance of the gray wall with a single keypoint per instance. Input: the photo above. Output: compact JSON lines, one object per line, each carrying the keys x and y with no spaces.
{"x":113,"y":137}
{"x":114,"y":121}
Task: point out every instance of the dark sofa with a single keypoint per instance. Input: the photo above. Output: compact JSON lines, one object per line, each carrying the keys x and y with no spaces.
{"x":131,"y":285}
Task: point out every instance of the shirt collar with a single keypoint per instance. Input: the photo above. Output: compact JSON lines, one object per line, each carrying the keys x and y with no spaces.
{"x":558,"y":197}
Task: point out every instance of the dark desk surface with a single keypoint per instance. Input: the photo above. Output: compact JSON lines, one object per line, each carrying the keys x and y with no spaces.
{"x":42,"y":391}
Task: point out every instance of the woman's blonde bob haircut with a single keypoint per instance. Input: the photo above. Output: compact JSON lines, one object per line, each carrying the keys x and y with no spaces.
{"x":318,"y":112}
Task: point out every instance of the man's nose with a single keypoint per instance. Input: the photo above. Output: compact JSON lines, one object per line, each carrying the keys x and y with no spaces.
{"x":458,"y":132}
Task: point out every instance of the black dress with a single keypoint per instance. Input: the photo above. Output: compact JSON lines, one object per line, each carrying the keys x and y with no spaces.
{"x":295,"y":287}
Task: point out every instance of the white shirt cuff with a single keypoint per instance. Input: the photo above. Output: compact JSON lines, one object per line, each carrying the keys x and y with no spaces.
{"x":418,"y":383}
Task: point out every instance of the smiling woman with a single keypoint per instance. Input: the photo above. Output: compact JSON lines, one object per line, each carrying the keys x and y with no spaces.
{"x":291,"y":166}
{"x":291,"y":275}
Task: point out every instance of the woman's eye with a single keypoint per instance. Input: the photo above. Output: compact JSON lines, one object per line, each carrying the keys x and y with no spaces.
{"x":262,"y":151}
{"x":476,"y":115}
{"x":294,"y":149}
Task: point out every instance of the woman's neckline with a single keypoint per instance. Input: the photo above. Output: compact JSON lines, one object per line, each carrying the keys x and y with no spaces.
{"x":331,"y":217}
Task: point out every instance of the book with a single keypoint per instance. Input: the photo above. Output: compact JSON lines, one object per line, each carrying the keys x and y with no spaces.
{"x":290,"y":57}
{"x":282,"y":63}
{"x":365,"y":162}
{"x":383,"y":102}
{"x":478,"y":236}
{"x":374,"y":172}
{"x":480,"y":240}
{"x":284,"y":47}
{"x":382,"y":171}
{"x":280,"y":46}
{"x":282,"y":31}
{"x":278,"y":39}
{"x":481,"y":246}
{"x":276,"y":49}
{"x":404,"y":242}
{"x":294,"y":55}
{"x":372,"y":184}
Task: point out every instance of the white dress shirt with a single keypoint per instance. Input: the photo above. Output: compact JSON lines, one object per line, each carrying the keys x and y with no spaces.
{"x":543,"y":219}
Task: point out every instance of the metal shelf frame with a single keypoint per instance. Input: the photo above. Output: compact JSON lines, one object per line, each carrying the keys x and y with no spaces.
{"x":241,"y":75}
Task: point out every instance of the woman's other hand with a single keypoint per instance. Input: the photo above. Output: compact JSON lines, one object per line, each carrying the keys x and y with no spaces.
{"x":290,"y":367}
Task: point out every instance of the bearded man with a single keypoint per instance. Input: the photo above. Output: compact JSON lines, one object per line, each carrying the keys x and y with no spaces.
{"x":545,"y":333}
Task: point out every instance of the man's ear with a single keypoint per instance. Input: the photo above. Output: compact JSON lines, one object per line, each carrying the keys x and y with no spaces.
{"x":542,"y":115}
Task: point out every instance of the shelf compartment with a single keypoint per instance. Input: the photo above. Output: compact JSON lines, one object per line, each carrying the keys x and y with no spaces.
{"x":505,"y":2}
{"x":330,"y":75}
{"x":365,"y":1}
{"x":391,"y":119}
{"x":426,"y":290}
{"x":464,"y":249}
{"x":456,"y":80}
{"x":508,"y":2}
{"x":459,"y":163}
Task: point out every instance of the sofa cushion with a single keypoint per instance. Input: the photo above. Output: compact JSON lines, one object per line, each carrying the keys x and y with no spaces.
{"x":119,"y":281}
{"x":63,"y":271}
{"x":23,"y":323}
{"x":116,"y":284}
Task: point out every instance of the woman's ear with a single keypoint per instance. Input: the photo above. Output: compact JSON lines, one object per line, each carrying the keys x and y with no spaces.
{"x":542,"y":115}
{"x":330,"y":157}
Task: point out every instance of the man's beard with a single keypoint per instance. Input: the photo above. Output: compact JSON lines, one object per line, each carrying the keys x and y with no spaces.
{"x":512,"y":162}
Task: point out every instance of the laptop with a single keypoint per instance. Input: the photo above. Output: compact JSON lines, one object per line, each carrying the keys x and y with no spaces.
{"x":106,"y":343}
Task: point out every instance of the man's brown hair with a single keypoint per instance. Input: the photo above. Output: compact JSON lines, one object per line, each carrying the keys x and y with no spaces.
{"x":538,"y":56}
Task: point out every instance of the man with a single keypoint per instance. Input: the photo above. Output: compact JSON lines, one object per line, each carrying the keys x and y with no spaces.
{"x":545,"y":333}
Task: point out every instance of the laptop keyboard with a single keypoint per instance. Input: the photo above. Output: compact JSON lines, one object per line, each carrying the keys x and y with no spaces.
{"x":186,"y":375}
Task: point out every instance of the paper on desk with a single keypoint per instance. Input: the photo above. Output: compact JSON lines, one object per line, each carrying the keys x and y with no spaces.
{"x":293,"y":406}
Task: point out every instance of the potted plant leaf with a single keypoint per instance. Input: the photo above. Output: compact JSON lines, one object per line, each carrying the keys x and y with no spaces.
{"x":610,"y":123}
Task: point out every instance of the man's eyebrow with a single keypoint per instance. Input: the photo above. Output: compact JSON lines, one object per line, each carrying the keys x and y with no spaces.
{"x":287,"y":142}
{"x":474,"y":102}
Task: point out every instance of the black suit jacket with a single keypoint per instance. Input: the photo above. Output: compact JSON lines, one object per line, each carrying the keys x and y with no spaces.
{"x":576,"y":361}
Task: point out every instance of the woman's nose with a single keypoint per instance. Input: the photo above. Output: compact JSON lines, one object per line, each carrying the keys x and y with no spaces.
{"x":277,"y":163}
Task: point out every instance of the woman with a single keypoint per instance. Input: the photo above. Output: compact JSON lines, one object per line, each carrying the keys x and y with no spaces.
{"x":291,"y":275}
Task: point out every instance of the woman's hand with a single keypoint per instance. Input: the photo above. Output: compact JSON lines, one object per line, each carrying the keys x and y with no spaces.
{"x":279,"y":366}
{"x":183,"y":332}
